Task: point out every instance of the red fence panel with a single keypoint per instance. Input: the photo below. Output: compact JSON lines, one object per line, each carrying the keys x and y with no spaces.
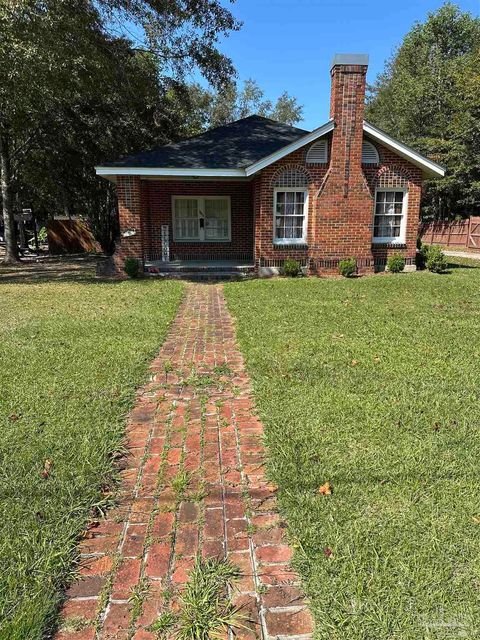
{"x":458,"y":234}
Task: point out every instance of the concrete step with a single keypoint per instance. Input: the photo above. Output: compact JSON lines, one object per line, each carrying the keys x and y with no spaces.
{"x":201,"y":276}
{"x":185,"y":268}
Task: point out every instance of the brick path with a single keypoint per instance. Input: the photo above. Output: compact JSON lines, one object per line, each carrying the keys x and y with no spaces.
{"x":193,"y":422}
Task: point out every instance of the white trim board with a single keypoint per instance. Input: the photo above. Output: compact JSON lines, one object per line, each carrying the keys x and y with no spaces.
{"x":430,"y":168}
{"x":169,"y":171}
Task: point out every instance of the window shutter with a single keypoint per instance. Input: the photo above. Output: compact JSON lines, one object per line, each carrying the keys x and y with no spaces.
{"x":369,"y":153}
{"x":317,"y":154}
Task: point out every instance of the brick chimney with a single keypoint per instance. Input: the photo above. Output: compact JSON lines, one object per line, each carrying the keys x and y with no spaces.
{"x":345,"y":207}
{"x":347,"y":107}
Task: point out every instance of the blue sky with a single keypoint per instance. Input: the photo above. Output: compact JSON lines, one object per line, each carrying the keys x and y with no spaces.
{"x":288,"y":44}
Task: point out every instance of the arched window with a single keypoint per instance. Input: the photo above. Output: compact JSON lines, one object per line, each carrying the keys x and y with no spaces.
{"x":391,"y":207}
{"x":317,"y":154}
{"x":291,"y":177}
{"x":290,"y":207}
{"x":369,"y":153}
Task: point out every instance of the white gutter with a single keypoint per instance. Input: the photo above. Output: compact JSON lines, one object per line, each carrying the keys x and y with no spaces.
{"x":168,"y":171}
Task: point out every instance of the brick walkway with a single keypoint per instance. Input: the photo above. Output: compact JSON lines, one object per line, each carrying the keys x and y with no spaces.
{"x":194,"y":482}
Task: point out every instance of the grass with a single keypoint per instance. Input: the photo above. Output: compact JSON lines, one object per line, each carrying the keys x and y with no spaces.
{"x":72,"y":352}
{"x":205,"y":609}
{"x":372,"y":385}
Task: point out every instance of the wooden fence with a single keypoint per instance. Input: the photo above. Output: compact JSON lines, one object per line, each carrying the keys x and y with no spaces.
{"x":461,"y":234}
{"x":70,"y":236}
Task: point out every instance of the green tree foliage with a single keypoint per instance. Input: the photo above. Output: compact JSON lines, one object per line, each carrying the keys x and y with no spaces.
{"x":205,"y":108}
{"x":429,"y":97}
{"x":76,"y":76}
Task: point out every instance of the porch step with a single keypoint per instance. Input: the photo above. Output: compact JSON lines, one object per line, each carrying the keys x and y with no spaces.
{"x":201,"y":276}
{"x":201,"y":269}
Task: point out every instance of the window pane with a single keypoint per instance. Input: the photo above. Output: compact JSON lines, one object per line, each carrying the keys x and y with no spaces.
{"x":216,"y":219}
{"x":186,"y":219}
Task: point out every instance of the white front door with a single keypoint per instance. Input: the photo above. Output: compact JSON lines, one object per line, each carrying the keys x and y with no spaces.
{"x":205,"y":219}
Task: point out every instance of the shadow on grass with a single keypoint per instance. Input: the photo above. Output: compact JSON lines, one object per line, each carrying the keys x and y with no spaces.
{"x":77,"y":269}
{"x":469,"y":264}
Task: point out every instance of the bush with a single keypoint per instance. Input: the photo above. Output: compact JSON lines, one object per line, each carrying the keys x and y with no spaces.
{"x":396,"y":263}
{"x":347,"y":267}
{"x":421,"y":257}
{"x":291,"y":268}
{"x":131,"y":267}
{"x":435,"y":259}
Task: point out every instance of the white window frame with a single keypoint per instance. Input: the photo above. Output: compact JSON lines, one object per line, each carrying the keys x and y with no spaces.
{"x":201,"y":208}
{"x":290,"y":241}
{"x":401,"y":239}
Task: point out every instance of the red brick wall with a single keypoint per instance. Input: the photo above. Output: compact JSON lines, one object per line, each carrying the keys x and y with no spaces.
{"x":341,"y":192}
{"x":266,"y":252}
{"x":159,"y":207}
{"x":131,"y":196}
{"x":333,"y":235}
{"x":385,"y":174}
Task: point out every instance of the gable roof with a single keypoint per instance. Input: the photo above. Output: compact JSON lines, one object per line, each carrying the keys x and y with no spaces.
{"x":242,"y":148}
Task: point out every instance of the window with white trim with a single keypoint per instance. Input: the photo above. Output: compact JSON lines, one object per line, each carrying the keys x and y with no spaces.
{"x":390,"y":216}
{"x":290,"y":215}
{"x":205,"y":219}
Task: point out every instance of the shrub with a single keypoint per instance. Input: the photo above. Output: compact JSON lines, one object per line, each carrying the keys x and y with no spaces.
{"x":291,"y":268}
{"x":435,"y":259}
{"x":131,"y":267}
{"x":421,"y":257}
{"x":396,"y":263}
{"x":347,"y":267}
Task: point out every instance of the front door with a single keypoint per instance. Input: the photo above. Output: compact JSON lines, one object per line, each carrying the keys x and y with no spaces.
{"x":205,"y":219}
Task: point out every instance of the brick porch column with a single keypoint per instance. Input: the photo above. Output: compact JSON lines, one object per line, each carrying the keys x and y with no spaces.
{"x":131,"y":216}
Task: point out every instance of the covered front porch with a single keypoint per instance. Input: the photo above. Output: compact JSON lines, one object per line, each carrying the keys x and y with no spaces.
{"x":198,"y":225}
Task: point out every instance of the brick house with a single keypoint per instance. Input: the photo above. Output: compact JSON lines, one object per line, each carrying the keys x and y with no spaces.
{"x":256,"y":192}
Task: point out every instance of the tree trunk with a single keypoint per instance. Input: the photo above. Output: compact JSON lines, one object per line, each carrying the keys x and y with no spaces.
{"x":11,"y":247}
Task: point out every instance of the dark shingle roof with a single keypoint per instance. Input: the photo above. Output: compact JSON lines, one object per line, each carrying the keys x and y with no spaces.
{"x":232,"y":146}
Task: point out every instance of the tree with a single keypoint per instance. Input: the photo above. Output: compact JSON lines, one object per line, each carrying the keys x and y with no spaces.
{"x":56,"y":55}
{"x":426,"y":96}
{"x":215,"y":108}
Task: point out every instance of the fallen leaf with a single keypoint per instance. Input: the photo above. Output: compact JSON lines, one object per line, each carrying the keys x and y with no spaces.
{"x":436,"y":426}
{"x":14,"y":417}
{"x":337,"y":336}
{"x":354,"y":363}
{"x":46,"y":469}
{"x":328,"y":552}
{"x":476,"y":519}
{"x":377,"y":359}
{"x":326,"y":489}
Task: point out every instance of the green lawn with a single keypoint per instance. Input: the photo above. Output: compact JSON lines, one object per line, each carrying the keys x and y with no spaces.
{"x":72,"y":353}
{"x":373,"y":384}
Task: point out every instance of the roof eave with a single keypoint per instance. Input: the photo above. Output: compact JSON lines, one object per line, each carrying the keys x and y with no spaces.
{"x":430,"y":169}
{"x":110,"y":172}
